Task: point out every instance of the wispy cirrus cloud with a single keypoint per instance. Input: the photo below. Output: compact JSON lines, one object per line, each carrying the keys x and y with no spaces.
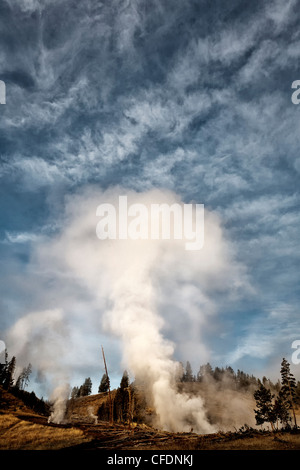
{"x":268,"y":337}
{"x":195,"y":99}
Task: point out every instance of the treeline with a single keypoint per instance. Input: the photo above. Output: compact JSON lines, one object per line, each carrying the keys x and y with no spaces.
{"x":84,"y":390}
{"x":227,"y":378}
{"x":17,"y":386}
{"x":225,"y":375}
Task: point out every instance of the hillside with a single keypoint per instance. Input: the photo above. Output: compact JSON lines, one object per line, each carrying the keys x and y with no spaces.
{"x":23,"y":429}
{"x":85,"y":409}
{"x":9,"y":403}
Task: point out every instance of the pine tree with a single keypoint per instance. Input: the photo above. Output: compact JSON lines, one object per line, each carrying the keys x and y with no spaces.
{"x":297,"y":397}
{"x":86,"y":388}
{"x":265,"y":381}
{"x":23,"y":378}
{"x":104,"y":384}
{"x":288,"y":389}
{"x":280,"y":411}
{"x":188,"y":376}
{"x":124,"y":381}
{"x":3,"y":368}
{"x":122,"y":400}
{"x":10,"y":369}
{"x":19,"y":382}
{"x":230,"y":372}
{"x":265,"y":410}
{"x":243,"y":380}
{"x":218,"y":374}
{"x":205,"y":373}
{"x":75,"y":392}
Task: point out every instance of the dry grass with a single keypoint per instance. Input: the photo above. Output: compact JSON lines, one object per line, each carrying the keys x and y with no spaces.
{"x":284,"y":441}
{"x":22,"y":429}
{"x":18,"y":434}
{"x":31,"y":432}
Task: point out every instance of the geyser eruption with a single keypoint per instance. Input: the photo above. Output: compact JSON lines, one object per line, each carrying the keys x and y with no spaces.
{"x":132,"y":280}
{"x":134,"y":317}
{"x":59,"y":398}
{"x":145,"y":290}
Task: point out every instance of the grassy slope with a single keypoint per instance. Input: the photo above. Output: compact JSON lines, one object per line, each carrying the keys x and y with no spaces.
{"x":19,"y":431}
{"x":19,"y":434}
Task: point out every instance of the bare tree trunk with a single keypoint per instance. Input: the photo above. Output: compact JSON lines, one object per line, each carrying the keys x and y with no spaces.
{"x":292,"y":405}
{"x":111,"y":416}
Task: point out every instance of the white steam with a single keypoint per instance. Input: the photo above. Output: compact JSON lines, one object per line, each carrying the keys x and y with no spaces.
{"x":92,"y":415}
{"x":40,"y":337}
{"x":59,"y":398}
{"x":145,"y":289}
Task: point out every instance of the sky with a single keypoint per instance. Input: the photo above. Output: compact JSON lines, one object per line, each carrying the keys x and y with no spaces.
{"x":188,"y":97}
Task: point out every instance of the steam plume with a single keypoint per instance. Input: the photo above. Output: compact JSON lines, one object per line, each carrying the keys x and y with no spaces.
{"x":92,"y":415}
{"x":41,"y":337}
{"x":59,"y":398}
{"x":130,"y":275}
{"x":142,"y":287}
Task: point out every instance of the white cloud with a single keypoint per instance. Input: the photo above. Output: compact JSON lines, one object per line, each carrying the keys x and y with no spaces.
{"x":21,"y":237}
{"x":268,"y":335}
{"x":280,"y":12}
{"x":35,"y":172}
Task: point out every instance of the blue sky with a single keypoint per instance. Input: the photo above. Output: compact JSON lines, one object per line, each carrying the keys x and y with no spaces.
{"x":189,"y":96}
